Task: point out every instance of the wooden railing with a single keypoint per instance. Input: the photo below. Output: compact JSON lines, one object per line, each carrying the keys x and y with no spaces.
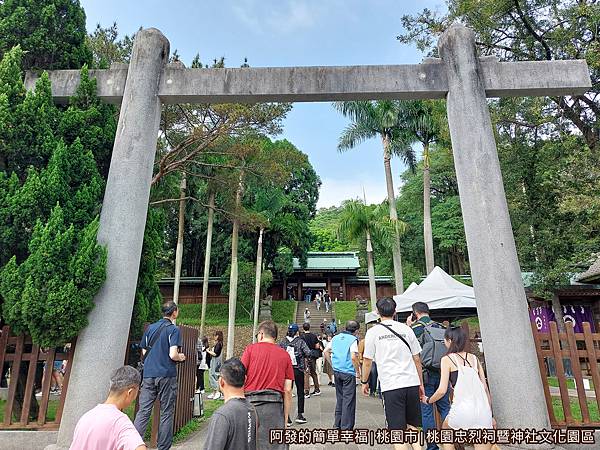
{"x":583,"y":352}
{"x":186,"y":385}
{"x":27,"y":370}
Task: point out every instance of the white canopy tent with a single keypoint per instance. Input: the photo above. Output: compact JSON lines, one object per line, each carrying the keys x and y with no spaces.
{"x":373,"y":316}
{"x":440,"y":291}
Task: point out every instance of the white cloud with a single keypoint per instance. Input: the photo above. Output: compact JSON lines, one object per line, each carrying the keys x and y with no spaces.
{"x":333,"y":191}
{"x":284,"y":16}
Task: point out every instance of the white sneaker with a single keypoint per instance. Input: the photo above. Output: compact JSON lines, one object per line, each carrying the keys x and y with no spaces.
{"x":211,"y":396}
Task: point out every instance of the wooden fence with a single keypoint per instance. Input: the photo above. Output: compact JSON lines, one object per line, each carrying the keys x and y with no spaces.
{"x":26,"y":370}
{"x":583,"y":352}
{"x":26,"y":373}
{"x":186,"y":386}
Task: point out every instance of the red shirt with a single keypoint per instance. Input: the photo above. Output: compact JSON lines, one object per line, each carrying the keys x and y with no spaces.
{"x":267,"y":367}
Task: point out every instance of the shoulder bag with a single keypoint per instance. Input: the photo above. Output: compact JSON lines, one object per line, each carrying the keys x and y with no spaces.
{"x":155,"y":336}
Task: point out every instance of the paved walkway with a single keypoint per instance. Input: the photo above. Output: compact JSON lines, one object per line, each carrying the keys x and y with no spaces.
{"x":572,"y":392}
{"x":319,"y":412}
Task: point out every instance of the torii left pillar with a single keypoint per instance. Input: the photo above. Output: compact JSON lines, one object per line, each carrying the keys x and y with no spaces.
{"x":101,"y":345}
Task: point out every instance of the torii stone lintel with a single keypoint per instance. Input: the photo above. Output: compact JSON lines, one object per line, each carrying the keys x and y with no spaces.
{"x":331,"y":83}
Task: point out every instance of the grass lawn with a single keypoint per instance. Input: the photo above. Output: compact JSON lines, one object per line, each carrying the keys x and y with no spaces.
{"x":344,"y":311}
{"x":216,"y":314}
{"x":553,"y":381}
{"x":575,"y":410}
{"x":283,"y":311}
{"x":50,"y":413}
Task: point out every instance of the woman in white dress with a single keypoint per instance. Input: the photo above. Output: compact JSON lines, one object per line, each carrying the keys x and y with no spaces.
{"x":472,"y":404}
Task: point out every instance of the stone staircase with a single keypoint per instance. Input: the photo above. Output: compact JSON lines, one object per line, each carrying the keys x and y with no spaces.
{"x":316,"y":316}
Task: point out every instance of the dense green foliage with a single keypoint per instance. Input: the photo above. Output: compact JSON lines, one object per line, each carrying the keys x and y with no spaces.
{"x":107,"y":48}
{"x":148,"y":299}
{"x":285,"y":228}
{"x":247,"y":279}
{"x":53,"y":156}
{"x":447,"y":226}
{"x":527,"y":30}
{"x":324,"y":231}
{"x":51,"y":33}
{"x":50,"y":192}
{"x":50,"y":295}
{"x":548,"y":147}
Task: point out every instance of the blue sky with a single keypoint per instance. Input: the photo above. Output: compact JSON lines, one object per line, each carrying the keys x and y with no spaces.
{"x":288,"y":33}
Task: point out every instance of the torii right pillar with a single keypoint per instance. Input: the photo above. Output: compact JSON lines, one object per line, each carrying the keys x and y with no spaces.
{"x":512,"y":366}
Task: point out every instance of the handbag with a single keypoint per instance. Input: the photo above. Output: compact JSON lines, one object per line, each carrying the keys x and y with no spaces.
{"x":155,"y":336}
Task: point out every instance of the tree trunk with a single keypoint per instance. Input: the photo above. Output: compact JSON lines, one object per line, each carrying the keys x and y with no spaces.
{"x":209,"y":232}
{"x":427,"y":232}
{"x":461,"y":262}
{"x":233,"y":276}
{"x":558,"y":313}
{"x":179,"y":250}
{"x":371,"y":269}
{"x":397,"y":257}
{"x":259,"y":252}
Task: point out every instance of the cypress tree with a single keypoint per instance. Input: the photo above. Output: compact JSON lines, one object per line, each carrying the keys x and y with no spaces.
{"x":51,"y":32}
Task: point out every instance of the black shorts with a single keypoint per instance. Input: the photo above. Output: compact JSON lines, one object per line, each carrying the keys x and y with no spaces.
{"x":402,"y":407}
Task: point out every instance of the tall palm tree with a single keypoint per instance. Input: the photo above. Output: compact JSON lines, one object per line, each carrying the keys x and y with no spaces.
{"x":361,"y":223}
{"x":422,"y":120}
{"x":381,"y":119}
{"x":267,"y":204}
{"x":179,"y":248}
{"x":209,"y":233}
{"x":233,"y":275}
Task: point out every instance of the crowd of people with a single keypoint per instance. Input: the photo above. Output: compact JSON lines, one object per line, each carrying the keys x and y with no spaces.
{"x":399,"y":362}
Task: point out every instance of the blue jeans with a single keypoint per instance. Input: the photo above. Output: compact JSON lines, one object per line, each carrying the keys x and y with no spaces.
{"x":443,"y":405}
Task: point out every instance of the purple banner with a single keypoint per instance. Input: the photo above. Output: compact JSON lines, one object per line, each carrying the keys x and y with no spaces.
{"x":577,"y":314}
{"x":541,"y":316}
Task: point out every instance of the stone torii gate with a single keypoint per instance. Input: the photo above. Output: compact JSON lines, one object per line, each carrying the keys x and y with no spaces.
{"x":459,"y":76}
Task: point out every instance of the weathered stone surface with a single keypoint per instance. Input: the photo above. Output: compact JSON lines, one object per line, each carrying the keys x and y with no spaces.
{"x":518,"y":397}
{"x":31,"y":440}
{"x":315,"y":84}
{"x":101,"y":346}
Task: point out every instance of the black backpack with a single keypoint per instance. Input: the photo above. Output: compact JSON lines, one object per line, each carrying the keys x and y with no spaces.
{"x":432,"y":346}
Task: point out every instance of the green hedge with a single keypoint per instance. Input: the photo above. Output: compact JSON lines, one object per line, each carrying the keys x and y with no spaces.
{"x":216,"y":313}
{"x":283,"y":311}
{"x":344,"y":311}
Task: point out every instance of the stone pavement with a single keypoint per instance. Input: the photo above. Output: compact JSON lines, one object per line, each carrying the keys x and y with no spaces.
{"x":319,"y":411}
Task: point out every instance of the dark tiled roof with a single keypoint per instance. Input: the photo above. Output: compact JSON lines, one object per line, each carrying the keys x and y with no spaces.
{"x":592,"y":274}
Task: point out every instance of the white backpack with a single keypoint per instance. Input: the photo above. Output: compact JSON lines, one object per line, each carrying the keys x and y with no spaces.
{"x":292,"y":352}
{"x":470,"y":407}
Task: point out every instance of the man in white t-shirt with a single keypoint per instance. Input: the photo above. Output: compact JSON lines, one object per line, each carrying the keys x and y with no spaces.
{"x":395,"y":349}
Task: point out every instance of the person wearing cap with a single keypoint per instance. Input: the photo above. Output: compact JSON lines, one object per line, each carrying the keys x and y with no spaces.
{"x":298,"y":351}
